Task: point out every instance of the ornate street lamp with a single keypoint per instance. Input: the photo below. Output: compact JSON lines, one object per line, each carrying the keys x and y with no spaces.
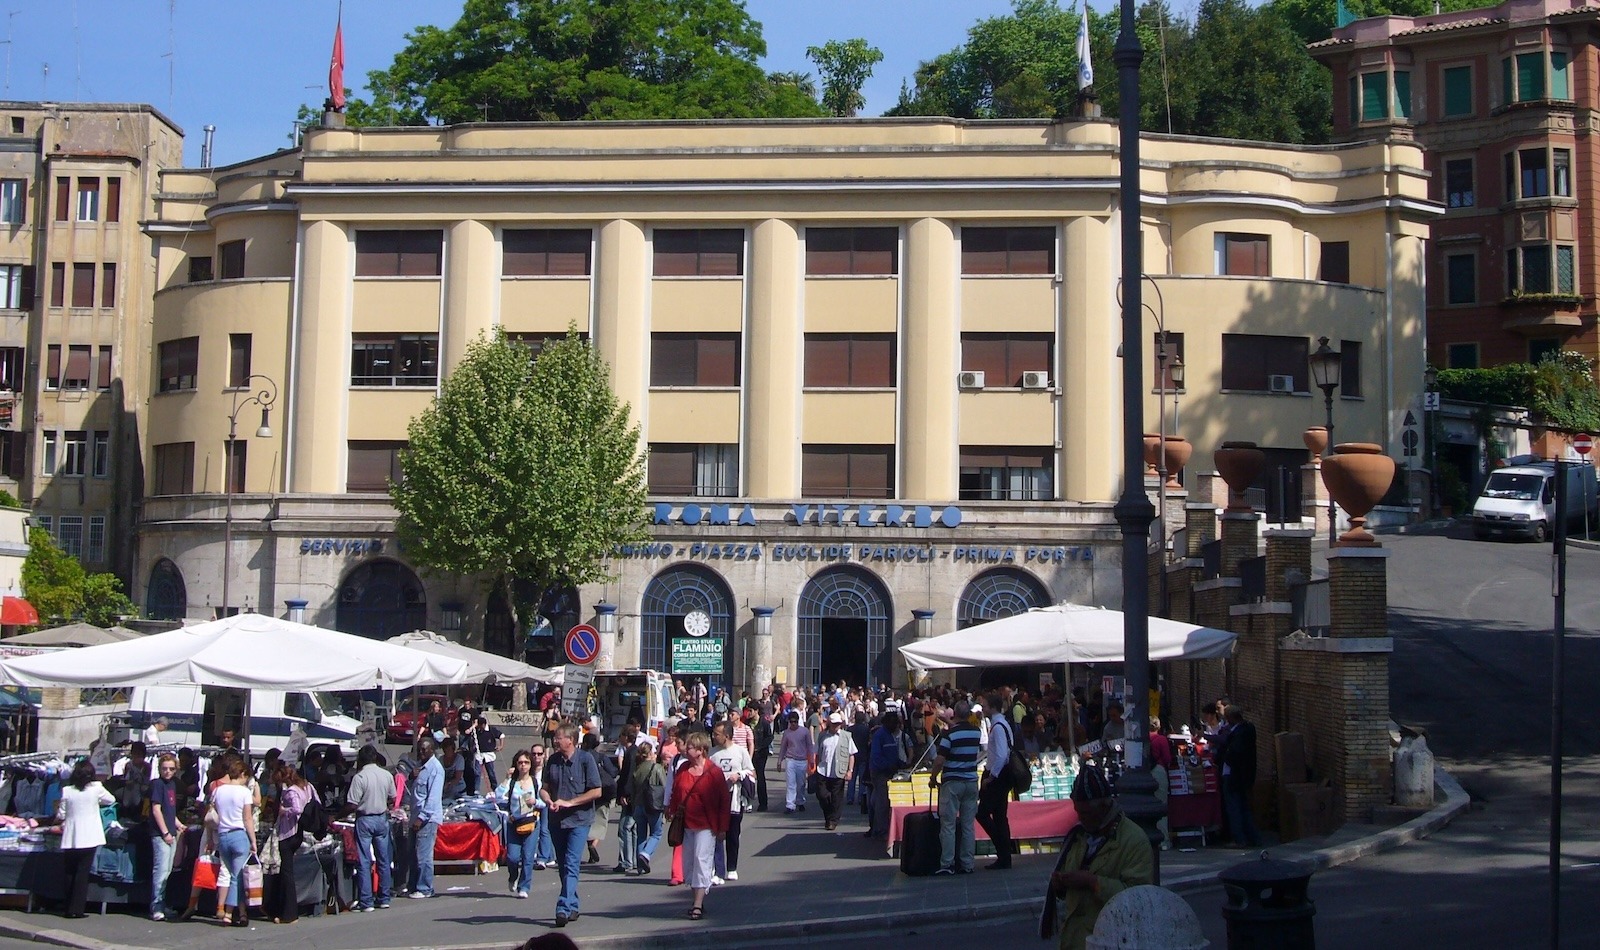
{"x":243,"y":397}
{"x":1326,"y":365}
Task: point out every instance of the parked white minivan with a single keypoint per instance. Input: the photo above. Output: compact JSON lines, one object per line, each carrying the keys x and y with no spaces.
{"x":197,"y":715}
{"x":1520,"y":500}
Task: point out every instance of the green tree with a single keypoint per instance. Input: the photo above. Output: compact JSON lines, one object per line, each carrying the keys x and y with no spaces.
{"x":1313,"y":20}
{"x":104,"y":603}
{"x":52,"y":579}
{"x":525,"y":475}
{"x":845,"y":65}
{"x":505,"y":61}
{"x":1252,"y":77}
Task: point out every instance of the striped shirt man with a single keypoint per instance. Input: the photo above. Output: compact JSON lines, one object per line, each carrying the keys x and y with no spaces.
{"x":958,"y":749}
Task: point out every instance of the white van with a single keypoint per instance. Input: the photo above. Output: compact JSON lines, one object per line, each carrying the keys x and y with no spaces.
{"x":1520,"y":500}
{"x":618,"y":694}
{"x":197,"y":715}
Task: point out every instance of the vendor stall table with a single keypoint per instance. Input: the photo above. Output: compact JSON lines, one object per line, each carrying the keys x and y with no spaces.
{"x":41,"y":875}
{"x":1194,"y":803}
{"x":1037,"y":820}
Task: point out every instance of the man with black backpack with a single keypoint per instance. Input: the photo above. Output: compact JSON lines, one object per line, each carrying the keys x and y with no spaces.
{"x":994,"y":796}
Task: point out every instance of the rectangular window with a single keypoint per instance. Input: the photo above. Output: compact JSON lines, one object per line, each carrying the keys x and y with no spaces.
{"x":700,"y":471}
{"x":83,"y":285}
{"x":847,"y":471}
{"x":1458,"y":183}
{"x":1002,"y":358}
{"x":238,"y":360}
{"x":1561,"y":168}
{"x":52,"y":366}
{"x":399,"y":253}
{"x":63,"y":199}
{"x":1461,"y":278}
{"x":100,"y":453}
{"x":75,"y":453}
{"x":698,"y":252}
{"x":1566,"y":281}
{"x":88,"y":199}
{"x":1244,"y":255}
{"x":1535,"y":173}
{"x":1349,"y":368}
{"x":113,"y":200}
{"x":76,"y":376}
{"x":1457,"y":91}
{"x":1374,"y":96}
{"x":235,"y":454}
{"x":102,"y":369}
{"x":1528,"y":269}
{"x":48,"y":439}
{"x":1558,"y":76}
{"x":694,"y":359}
{"x":381,"y":359}
{"x":58,"y":284}
{"x":97,"y":540}
{"x":852,"y":251}
{"x":13,"y":201}
{"x":1530,"y":76}
{"x":1334,"y":266}
{"x":199,"y":269}
{"x":536,"y":342}
{"x":1540,"y":350}
{"x":180,"y":363}
{"x":1006,"y":474}
{"x":14,"y":454}
{"x":108,"y":286}
{"x":371,"y":465}
{"x":1402,"y":94}
{"x":1462,"y":356}
{"x":1162,"y":368}
{"x":545,"y":252}
{"x":1249,"y":361}
{"x":230,"y":260}
{"x":1008,"y":251}
{"x":11,"y":280}
{"x":861,"y":360}
{"x":69,"y":534}
{"x":174,"y":469}
{"x":13,"y":360}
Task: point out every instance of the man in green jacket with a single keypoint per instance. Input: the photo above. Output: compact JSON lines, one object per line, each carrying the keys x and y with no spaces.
{"x":1104,"y":855}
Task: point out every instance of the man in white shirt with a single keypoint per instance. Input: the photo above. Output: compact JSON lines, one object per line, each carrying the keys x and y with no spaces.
{"x":152,"y":732}
{"x":994,"y":795}
{"x":836,"y":756}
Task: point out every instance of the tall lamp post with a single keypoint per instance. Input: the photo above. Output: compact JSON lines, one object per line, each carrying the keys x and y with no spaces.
{"x":1326,"y":364}
{"x":258,"y":390}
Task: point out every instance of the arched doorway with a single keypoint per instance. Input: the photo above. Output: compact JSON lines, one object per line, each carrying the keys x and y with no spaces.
{"x":381,"y":599}
{"x":995,"y":595}
{"x":674,"y":594}
{"x":166,"y":597}
{"x":844,"y":628}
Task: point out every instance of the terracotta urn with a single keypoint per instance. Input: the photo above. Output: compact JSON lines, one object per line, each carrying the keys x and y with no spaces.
{"x":1316,"y":439}
{"x":1152,"y":454}
{"x":1177,"y":451}
{"x":1358,"y":475}
{"x":1239,"y":463}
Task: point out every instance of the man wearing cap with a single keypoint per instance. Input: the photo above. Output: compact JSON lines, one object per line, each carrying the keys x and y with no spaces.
{"x":957,"y":764}
{"x":1104,"y":855}
{"x":835,"y":764}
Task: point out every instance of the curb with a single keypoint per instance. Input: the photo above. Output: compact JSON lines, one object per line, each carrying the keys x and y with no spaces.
{"x":1455,"y":802}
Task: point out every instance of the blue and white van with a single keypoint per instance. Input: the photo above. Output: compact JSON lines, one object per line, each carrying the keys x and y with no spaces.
{"x":197,"y":715}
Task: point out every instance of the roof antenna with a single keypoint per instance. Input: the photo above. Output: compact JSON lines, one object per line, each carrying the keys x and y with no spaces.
{"x":205,"y":146}
{"x":10,"y":28}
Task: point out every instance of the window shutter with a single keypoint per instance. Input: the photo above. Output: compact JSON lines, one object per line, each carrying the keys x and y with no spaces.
{"x":78,"y":363}
{"x":671,"y":470}
{"x":827,"y":360}
{"x":29,"y":291}
{"x":63,"y":199}
{"x":53,"y":367}
{"x":113,"y":199}
{"x":103,"y":374}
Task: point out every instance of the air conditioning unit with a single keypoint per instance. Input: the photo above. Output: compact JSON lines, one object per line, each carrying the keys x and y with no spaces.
{"x":970,"y":380}
{"x":1035,"y":380}
{"x":1280,"y":384}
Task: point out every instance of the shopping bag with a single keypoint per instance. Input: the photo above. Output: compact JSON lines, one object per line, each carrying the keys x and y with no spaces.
{"x":251,"y":877}
{"x":205,"y":872}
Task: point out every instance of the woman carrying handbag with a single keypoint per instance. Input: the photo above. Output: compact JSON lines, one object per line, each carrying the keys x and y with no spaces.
{"x":700,"y":810}
{"x":284,"y":903}
{"x":520,"y":792}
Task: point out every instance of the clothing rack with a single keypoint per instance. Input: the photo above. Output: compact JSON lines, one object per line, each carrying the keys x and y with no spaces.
{"x":30,"y":758}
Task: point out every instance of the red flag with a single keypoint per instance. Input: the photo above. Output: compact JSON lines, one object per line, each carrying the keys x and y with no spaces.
{"x":336,"y":67}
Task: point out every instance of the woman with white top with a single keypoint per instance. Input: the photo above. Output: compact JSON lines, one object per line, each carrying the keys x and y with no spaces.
{"x":234,"y":803}
{"x":82,"y":834}
{"x":520,"y":793}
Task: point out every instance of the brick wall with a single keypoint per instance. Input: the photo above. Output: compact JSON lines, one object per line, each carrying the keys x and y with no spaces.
{"x":1241,"y":539}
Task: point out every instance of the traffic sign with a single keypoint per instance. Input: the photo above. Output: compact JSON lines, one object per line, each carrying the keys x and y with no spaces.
{"x":583,"y":644}
{"x":575,"y":691}
{"x":1582,"y":443}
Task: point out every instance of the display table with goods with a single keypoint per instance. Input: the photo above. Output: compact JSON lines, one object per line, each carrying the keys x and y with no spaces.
{"x":1194,"y":798}
{"x":1039,"y":817}
{"x":31,"y":864}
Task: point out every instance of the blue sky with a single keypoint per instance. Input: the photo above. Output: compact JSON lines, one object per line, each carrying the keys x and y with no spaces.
{"x":245,"y":66}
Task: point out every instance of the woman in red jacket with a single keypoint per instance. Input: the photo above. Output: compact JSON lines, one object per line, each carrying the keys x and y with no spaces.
{"x":700,"y":797}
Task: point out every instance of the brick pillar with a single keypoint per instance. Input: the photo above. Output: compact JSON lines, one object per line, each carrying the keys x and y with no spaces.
{"x":1314,"y":498}
{"x":1288,"y":557}
{"x":1240,"y":539}
{"x":1200,"y":526}
{"x":1358,"y":593}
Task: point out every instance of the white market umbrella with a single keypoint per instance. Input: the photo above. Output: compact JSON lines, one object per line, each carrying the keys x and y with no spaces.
{"x":245,"y":651}
{"x":481,"y":666}
{"x":1064,"y":633}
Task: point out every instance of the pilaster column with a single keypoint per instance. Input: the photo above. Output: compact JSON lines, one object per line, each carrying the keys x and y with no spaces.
{"x":471,"y":298}
{"x":622,"y":332}
{"x":1087,"y":338}
{"x":606,"y":623}
{"x":321,"y":360}
{"x":772,"y":379}
{"x":930,"y":339}
{"x":760,"y":656}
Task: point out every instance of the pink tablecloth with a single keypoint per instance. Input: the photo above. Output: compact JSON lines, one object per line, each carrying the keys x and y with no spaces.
{"x":1036,"y":819}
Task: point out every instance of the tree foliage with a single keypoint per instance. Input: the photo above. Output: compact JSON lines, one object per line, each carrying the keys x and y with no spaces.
{"x":59,"y":589}
{"x":845,"y":65}
{"x":525,"y":474}
{"x":1560,"y":389}
{"x":508,"y":61}
{"x":1313,"y":20}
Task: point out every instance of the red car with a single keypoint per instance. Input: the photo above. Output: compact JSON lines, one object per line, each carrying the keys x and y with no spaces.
{"x":403,"y":724}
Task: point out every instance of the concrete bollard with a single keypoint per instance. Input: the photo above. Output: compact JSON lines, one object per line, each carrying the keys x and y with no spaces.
{"x":1147,"y":917}
{"x":1413,"y":773}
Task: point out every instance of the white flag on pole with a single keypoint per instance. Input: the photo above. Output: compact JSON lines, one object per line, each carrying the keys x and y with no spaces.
{"x":1085,"y":66}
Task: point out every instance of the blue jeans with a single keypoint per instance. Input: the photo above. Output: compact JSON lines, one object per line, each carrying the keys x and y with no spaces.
{"x":421,"y":877}
{"x":372,"y":837}
{"x":958,"y":807}
{"x":520,"y":857}
{"x":627,"y":840}
{"x":160,"y":870}
{"x":572,"y":844}
{"x":234,"y":847}
{"x":856,"y":789}
{"x":644,"y":818}
{"x":546,"y":849}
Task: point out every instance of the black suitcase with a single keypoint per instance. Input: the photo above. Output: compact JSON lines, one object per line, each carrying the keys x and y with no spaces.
{"x":919,"y":844}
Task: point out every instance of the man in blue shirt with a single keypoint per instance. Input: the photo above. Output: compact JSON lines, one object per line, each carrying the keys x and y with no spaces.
{"x":424,"y":788}
{"x":957,"y":763}
{"x":571,"y":786}
{"x":886,"y":757}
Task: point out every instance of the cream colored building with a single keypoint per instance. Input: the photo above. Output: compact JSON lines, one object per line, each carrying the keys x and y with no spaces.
{"x":887,"y":347}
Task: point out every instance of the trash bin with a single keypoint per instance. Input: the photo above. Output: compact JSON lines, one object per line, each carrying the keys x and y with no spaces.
{"x":1267,"y":906}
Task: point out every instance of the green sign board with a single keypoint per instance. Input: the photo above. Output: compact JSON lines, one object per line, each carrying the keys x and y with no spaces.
{"x":697,"y":655}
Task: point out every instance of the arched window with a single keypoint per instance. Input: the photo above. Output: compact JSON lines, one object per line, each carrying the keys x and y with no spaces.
{"x":166,"y":597}
{"x":674,"y":594}
{"x":381,"y":599}
{"x":844,"y":628}
{"x":997,"y":594}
